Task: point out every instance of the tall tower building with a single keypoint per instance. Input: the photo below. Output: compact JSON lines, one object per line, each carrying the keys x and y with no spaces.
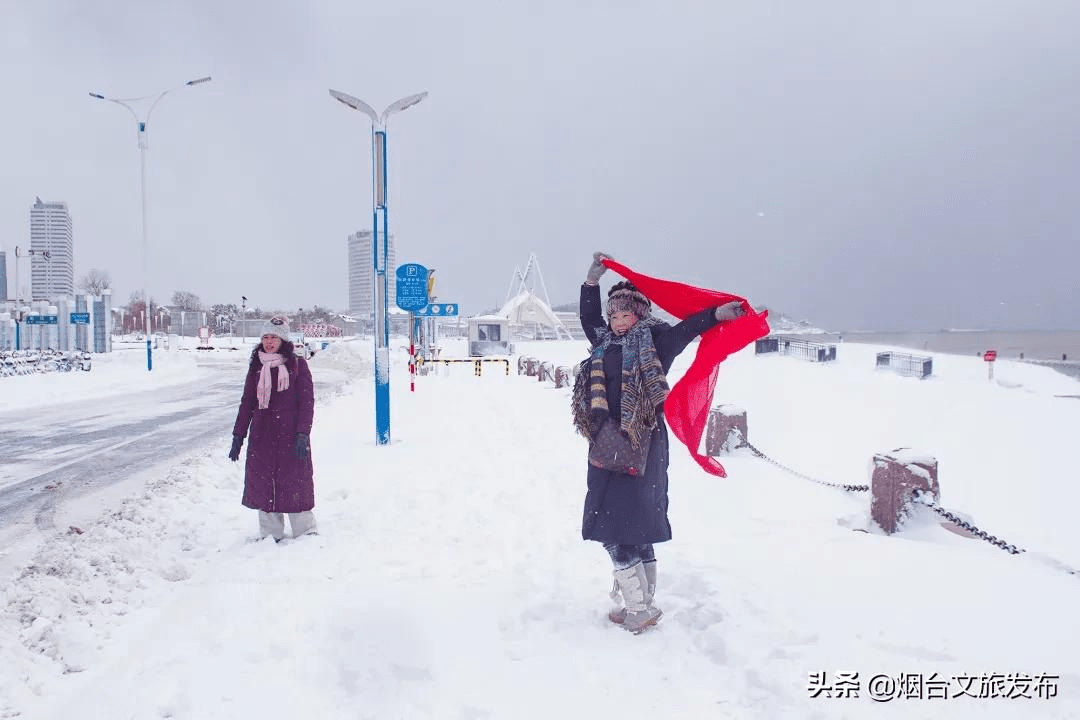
{"x":52,"y":264}
{"x":3,"y":276}
{"x":362,"y":275}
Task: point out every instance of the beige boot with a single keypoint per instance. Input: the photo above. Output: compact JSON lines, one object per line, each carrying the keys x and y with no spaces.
{"x":640,"y":612}
{"x":617,"y":614}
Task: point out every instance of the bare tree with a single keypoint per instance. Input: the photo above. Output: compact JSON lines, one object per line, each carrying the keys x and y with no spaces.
{"x":222,"y":318}
{"x":134,"y":319}
{"x":187,"y":301}
{"x":94,"y":282}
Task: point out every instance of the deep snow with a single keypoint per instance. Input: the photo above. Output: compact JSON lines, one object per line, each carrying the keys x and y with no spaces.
{"x":449,"y":579}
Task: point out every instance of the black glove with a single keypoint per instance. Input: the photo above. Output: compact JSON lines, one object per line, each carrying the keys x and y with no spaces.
{"x":234,"y":453}
{"x":303,"y":446}
{"x":729,"y":311}
{"x":597,"y":268}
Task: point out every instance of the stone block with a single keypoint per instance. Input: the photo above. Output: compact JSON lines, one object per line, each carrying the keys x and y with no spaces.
{"x":895,"y":478}
{"x":726,"y":430}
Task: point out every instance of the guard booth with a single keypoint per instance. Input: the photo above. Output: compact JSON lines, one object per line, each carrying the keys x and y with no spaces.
{"x":489,"y":335}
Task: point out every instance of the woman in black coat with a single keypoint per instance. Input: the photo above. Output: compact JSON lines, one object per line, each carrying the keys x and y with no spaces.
{"x":628,"y":514}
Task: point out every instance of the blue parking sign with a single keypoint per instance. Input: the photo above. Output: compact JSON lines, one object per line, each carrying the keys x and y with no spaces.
{"x":412,"y":286}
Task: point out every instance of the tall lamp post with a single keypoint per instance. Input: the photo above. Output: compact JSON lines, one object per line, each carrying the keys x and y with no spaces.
{"x":380,"y":247}
{"x":141,"y":125}
{"x":243,"y":319}
{"x":20,"y":312}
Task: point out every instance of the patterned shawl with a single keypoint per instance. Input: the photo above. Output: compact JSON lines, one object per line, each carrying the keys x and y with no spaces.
{"x":644,"y":386}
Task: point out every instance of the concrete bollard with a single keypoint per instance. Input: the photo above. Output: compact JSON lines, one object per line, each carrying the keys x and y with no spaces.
{"x":522,"y":363}
{"x":545,"y":371}
{"x":896,"y":476}
{"x":726,"y":430}
{"x":564,"y":376}
{"x":532,"y":366}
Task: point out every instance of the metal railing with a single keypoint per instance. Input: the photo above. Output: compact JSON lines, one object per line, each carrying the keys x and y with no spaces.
{"x":918,"y":366}
{"x":815,"y":352}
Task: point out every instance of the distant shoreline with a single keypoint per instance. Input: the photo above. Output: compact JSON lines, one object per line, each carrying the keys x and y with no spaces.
{"x":1059,"y":349}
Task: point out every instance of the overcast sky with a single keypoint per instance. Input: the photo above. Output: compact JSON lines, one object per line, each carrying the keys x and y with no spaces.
{"x":861,"y":164}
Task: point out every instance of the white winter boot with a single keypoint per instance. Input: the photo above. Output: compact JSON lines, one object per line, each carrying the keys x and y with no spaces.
{"x":617,"y":614}
{"x":640,"y":611}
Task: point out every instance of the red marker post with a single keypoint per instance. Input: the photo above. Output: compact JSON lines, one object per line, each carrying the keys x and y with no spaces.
{"x":990,"y":356}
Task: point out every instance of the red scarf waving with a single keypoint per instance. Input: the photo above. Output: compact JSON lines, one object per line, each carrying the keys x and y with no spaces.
{"x":687,"y":406}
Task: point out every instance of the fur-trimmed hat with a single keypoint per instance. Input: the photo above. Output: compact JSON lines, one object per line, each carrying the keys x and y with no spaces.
{"x":625,"y":297}
{"x":277,"y":325}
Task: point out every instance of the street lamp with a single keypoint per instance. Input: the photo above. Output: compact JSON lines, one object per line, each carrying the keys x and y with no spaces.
{"x":382,"y":316}
{"x":243,"y":319}
{"x":46,"y":256}
{"x":141,"y":123}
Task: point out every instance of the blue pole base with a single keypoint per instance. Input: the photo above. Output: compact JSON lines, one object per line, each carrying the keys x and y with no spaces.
{"x":382,"y":396}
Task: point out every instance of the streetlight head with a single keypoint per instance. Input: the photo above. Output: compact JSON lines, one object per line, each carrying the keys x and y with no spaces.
{"x":96,"y":95}
{"x":200,"y":80}
{"x":403,"y":104}
{"x":356,"y":104}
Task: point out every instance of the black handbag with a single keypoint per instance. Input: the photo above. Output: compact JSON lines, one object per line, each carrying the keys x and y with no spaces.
{"x":611,"y":450}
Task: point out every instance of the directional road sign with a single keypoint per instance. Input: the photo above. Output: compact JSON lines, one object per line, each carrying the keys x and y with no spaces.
{"x":41,"y":320}
{"x":80,"y":318}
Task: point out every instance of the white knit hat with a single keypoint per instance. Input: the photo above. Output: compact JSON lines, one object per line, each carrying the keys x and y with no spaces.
{"x":277,"y":325}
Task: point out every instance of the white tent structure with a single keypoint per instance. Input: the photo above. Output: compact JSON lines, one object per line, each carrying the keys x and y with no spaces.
{"x":528,"y":312}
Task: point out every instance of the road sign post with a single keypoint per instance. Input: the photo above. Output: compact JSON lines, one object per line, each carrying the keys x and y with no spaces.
{"x":411,"y":294}
{"x":990,"y":356}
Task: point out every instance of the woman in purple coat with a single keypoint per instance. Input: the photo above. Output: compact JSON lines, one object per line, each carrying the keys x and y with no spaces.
{"x":278,"y":405}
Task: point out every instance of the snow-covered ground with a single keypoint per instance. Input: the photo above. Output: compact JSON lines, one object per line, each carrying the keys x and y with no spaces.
{"x":449,"y":579}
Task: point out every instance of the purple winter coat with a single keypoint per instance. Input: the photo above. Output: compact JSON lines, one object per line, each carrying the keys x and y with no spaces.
{"x":275,"y":480}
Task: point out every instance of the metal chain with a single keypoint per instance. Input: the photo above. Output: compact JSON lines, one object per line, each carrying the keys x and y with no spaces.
{"x":919,"y":496}
{"x":796,"y":473}
{"x":923,"y":499}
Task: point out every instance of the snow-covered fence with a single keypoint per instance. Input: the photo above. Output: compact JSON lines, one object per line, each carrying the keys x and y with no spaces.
{"x":33,"y":362}
{"x":815,"y":352}
{"x":319,"y":330}
{"x":918,"y":366}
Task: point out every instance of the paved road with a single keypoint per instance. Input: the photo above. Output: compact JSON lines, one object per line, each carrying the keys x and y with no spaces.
{"x":60,"y":453}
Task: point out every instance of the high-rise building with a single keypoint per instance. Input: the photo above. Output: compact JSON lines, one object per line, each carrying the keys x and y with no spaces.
{"x":3,"y":276}
{"x":362,"y":275}
{"x":52,"y":259}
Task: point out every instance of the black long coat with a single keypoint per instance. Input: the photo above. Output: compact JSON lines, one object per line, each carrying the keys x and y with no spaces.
{"x":619,"y":508}
{"x":275,"y":480}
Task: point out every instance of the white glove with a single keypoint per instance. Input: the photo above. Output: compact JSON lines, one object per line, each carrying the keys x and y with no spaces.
{"x":597,"y":268}
{"x":729,"y":311}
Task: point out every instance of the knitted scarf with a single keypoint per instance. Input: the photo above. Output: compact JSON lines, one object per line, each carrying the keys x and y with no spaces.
{"x":644,"y":387}
{"x":262,"y":390}
{"x":686,"y":409}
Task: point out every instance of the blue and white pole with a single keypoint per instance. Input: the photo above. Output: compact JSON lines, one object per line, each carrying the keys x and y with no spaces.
{"x":141,"y":127}
{"x":380,"y":249}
